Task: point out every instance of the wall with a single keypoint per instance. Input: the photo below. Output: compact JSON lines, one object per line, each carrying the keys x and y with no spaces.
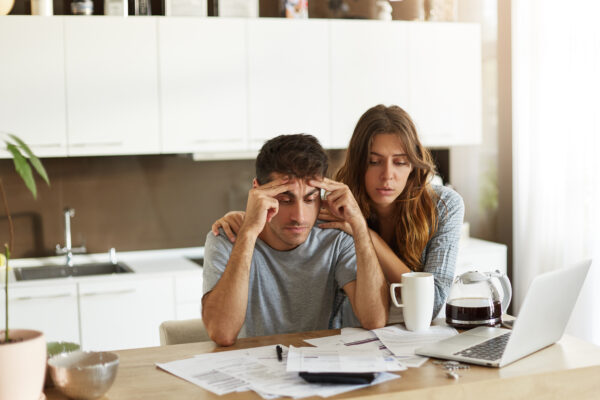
{"x":137,"y":202}
{"x":475,"y":169}
{"x":505,"y":161}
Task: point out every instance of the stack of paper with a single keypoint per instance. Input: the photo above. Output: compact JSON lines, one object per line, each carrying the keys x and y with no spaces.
{"x":254,"y":369}
{"x":317,"y":359}
{"x":393,"y":342}
{"x":355,"y":350}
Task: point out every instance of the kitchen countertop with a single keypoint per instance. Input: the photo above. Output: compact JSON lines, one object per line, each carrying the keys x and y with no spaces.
{"x":141,"y":262}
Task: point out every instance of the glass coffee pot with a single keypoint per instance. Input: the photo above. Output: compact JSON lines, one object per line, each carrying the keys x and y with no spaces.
{"x":478,"y":298}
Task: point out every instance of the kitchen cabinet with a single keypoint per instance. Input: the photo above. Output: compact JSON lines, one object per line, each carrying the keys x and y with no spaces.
{"x":444,"y":60}
{"x":219,"y":86}
{"x":112,"y":85}
{"x":51,"y":309}
{"x":188,"y":295}
{"x":288,"y":79}
{"x":124,"y":313}
{"x":203,"y":84}
{"x":108,"y":312}
{"x":369,"y":66}
{"x":32,"y":83}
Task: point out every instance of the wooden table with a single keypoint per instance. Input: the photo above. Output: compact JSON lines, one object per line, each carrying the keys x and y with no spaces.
{"x":569,"y":369}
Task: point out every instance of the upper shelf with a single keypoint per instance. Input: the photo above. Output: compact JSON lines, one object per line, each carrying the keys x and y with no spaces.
{"x":72,"y":85}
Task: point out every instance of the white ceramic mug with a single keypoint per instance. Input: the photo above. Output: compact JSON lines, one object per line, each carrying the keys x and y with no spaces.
{"x":417,"y":299}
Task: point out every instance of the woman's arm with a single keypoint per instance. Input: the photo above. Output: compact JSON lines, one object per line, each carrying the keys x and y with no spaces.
{"x":230,"y":223}
{"x":393,"y":267}
{"x":441,"y":251}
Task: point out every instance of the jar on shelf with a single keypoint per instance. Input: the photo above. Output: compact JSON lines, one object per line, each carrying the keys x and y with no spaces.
{"x":82,"y":7}
{"x":116,"y":8}
{"x":441,"y":10}
{"x":6,"y":6}
{"x":42,"y":7}
{"x":294,"y":8}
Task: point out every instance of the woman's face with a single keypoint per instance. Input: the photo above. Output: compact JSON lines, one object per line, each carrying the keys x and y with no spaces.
{"x":387,"y":170}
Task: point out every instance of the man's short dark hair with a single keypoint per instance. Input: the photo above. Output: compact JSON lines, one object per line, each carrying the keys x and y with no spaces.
{"x":299,"y":155}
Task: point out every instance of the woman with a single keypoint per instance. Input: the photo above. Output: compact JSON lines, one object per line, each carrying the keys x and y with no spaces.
{"x":413,"y":225}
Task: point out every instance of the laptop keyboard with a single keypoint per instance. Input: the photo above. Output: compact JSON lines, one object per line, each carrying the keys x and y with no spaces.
{"x":489,"y":350}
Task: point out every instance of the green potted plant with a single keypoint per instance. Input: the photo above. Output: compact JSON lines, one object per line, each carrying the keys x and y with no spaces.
{"x":22,"y":351}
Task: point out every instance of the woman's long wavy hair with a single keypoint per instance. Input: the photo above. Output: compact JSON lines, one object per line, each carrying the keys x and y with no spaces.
{"x":415,"y":216}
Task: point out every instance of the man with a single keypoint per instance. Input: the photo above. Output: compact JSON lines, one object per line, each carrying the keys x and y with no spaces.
{"x":283,"y":274}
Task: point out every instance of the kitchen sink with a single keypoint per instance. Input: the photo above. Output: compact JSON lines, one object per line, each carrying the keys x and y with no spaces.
{"x":62,"y":271}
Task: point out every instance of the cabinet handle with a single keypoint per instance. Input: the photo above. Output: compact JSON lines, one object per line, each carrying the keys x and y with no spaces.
{"x":124,"y":291}
{"x":45,"y":145}
{"x":91,"y":144}
{"x":51,"y":296}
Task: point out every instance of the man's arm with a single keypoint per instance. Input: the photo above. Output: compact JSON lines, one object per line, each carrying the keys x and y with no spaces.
{"x":224,"y":307}
{"x":368,"y":294}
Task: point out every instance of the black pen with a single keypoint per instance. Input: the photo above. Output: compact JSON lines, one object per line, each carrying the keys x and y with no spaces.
{"x":279,"y":352}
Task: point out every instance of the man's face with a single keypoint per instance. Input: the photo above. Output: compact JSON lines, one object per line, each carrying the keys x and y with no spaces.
{"x":298,"y":211}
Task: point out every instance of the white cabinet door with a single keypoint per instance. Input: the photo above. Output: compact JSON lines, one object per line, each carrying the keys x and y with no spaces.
{"x":445,"y":82}
{"x":288,"y":79}
{"x":112,"y":85}
{"x":51,"y":309}
{"x":202,"y":64}
{"x":369,"y":66}
{"x":32,"y":83}
{"x":188,"y":295}
{"x":124,"y":313}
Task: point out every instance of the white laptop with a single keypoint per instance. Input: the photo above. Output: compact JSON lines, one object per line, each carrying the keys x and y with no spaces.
{"x":542,"y":320}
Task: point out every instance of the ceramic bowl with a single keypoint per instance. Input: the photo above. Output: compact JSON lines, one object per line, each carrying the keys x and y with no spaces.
{"x":84,"y":375}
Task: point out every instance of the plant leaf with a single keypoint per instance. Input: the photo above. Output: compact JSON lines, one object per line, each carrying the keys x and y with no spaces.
{"x":23,"y":168}
{"x":32,"y":158}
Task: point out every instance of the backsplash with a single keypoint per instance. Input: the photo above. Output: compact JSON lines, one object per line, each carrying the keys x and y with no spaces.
{"x":126,"y":202}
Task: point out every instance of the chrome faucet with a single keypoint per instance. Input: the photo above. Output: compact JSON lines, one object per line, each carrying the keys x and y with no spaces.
{"x":68,"y":249}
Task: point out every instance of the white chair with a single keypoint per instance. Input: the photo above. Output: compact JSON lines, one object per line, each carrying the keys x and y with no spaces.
{"x":184,"y":331}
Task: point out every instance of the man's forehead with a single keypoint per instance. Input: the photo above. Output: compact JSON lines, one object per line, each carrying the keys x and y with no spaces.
{"x":300,"y":186}
{"x":293,"y":179}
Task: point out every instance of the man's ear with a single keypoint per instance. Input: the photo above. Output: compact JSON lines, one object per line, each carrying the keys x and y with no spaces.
{"x":255,"y":183}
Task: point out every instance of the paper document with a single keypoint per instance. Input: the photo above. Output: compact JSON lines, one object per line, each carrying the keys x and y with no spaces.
{"x":206,"y":375}
{"x":356,"y":338}
{"x":403,"y":342}
{"x":316,"y":359}
{"x":326,"y":342}
{"x":368,"y":339}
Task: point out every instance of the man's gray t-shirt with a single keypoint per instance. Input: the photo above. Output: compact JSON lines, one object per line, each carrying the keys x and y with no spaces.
{"x":289,"y":291}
